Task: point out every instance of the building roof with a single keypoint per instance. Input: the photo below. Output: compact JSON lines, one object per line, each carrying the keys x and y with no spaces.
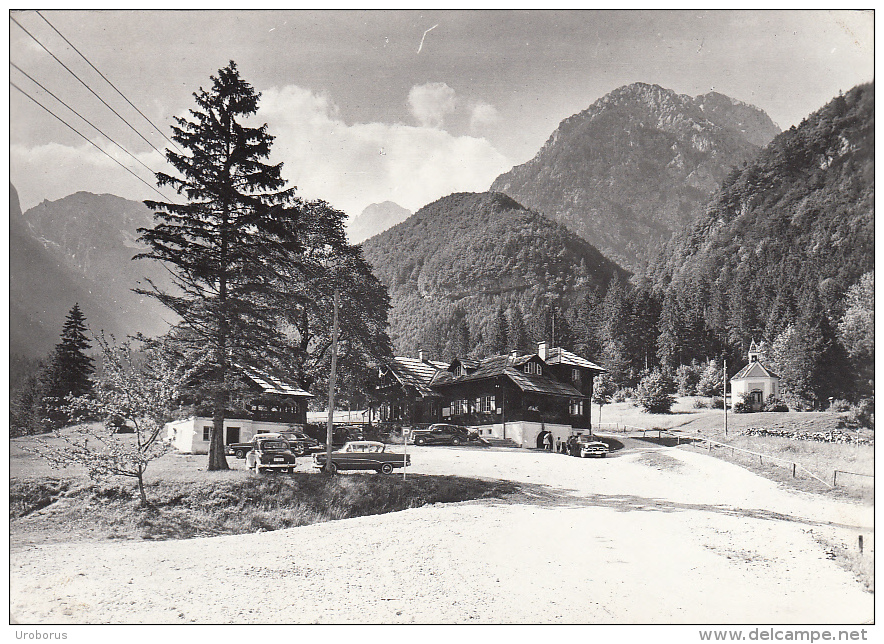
{"x":270,"y":384}
{"x":507,"y":365}
{"x":754,"y":370}
{"x":557,"y":355}
{"x":416,"y":373}
{"x":541,"y":384}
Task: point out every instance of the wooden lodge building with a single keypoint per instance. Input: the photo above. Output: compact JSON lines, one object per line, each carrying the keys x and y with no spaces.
{"x":264,"y":404}
{"x":515,"y":397}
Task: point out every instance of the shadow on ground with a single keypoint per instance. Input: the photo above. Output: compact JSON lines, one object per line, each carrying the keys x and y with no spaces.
{"x":547,"y":496}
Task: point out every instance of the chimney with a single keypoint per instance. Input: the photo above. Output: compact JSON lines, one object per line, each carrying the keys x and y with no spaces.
{"x":512,"y":357}
{"x":543,"y":350}
{"x":420,"y":355}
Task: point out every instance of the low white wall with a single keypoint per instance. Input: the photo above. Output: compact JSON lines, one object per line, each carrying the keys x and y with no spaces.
{"x":186,"y":435}
{"x":524,"y":433}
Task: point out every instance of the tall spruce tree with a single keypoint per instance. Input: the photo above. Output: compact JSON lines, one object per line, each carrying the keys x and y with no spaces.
{"x":70,"y":369}
{"x":224,"y":243}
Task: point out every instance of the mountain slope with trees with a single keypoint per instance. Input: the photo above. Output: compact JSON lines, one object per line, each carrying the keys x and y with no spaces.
{"x":78,"y":249}
{"x":475,"y":273}
{"x":776,"y":253}
{"x":637,"y":165}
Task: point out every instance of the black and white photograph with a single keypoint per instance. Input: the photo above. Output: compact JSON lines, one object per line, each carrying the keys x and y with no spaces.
{"x":383,"y":317}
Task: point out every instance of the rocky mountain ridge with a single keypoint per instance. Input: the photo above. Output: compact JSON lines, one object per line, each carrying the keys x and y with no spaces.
{"x":636,"y":165}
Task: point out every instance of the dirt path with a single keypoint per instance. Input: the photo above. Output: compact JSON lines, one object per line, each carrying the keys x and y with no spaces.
{"x":651,"y":536}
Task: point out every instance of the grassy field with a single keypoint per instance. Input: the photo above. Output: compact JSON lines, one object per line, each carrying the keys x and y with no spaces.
{"x":822,"y":459}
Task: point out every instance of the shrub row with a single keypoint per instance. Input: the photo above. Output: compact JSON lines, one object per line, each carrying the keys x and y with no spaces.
{"x":833,"y":436}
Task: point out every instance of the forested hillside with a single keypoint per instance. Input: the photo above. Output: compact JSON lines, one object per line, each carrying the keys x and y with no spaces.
{"x":776,"y":252}
{"x":474,"y":273}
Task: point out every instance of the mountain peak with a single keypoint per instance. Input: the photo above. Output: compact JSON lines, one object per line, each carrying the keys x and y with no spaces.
{"x":374,"y":219}
{"x":637,"y":164}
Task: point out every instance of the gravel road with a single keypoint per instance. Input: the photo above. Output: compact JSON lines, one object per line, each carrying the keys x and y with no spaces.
{"x":653,"y":536}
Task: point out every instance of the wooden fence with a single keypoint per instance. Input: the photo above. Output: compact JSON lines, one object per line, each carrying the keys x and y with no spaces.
{"x":712,"y":444}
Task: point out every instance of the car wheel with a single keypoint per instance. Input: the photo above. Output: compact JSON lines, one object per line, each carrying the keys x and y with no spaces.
{"x":332,"y":468}
{"x":455,"y":441}
{"x":419,"y":441}
{"x":240,"y":453}
{"x":386,"y":468}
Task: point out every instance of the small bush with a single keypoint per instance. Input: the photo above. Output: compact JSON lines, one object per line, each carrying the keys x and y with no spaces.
{"x":861,"y":414}
{"x":716,"y":403}
{"x":624,"y":394}
{"x":775,"y":404}
{"x":652,"y":394}
{"x":742,"y":407}
{"x":839,"y":405}
{"x":701,"y":403}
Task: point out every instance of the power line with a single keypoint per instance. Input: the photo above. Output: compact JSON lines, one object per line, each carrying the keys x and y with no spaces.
{"x":34,"y":38}
{"x":95,"y":127}
{"x":85,"y":138}
{"x":108,"y":81}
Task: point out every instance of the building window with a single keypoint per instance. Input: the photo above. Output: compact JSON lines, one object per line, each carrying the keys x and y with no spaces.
{"x":575,"y":375}
{"x":460,"y":407}
{"x":207,"y":432}
{"x":533,"y":367}
{"x":458,"y":371}
{"x":576,"y":406}
{"x":488,"y":405}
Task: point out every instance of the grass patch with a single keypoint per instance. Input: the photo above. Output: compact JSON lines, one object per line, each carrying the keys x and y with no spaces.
{"x":183,"y":510}
{"x":820,"y":458}
{"x":849,"y":557}
{"x":26,"y":497}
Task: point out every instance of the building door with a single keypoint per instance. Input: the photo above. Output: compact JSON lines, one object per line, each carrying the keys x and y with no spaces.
{"x":756,"y":399}
{"x":232,"y":435}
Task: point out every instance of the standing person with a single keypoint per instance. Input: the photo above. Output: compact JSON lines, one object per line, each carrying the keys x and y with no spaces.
{"x":547,"y":441}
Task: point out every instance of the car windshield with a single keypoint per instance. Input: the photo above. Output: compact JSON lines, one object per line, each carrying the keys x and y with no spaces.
{"x":273,"y":445}
{"x":364,"y":448}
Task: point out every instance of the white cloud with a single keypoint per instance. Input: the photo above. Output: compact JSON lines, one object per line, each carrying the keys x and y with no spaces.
{"x":431,"y":103}
{"x":348,"y":165}
{"x":482,"y":114}
{"x":352,"y":166}
{"x":53,"y":171}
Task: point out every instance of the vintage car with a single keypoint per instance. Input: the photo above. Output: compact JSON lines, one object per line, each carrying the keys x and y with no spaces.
{"x":442,"y":434}
{"x":363,"y":455}
{"x":584,"y":446}
{"x":270,"y":453}
{"x":302,"y":444}
{"x":241,"y":449}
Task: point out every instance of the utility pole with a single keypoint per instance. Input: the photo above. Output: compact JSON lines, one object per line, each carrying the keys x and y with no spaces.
{"x":724,"y":393}
{"x":329,"y":434}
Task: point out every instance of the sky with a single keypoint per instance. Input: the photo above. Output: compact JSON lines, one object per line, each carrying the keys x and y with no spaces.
{"x":406,"y":105}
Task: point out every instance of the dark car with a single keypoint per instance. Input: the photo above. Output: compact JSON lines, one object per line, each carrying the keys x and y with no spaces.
{"x":363,"y":455}
{"x":442,"y":434}
{"x":271,"y":453}
{"x":586,"y":446}
{"x":302,"y":444}
{"x":342,"y":435}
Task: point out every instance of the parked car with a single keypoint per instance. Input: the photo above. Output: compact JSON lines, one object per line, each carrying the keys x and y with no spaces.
{"x":239,"y":450}
{"x":270,"y":452}
{"x":584,"y":446}
{"x":442,"y":434}
{"x":363,"y":455}
{"x":302,"y":444}
{"x":346,"y":434}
